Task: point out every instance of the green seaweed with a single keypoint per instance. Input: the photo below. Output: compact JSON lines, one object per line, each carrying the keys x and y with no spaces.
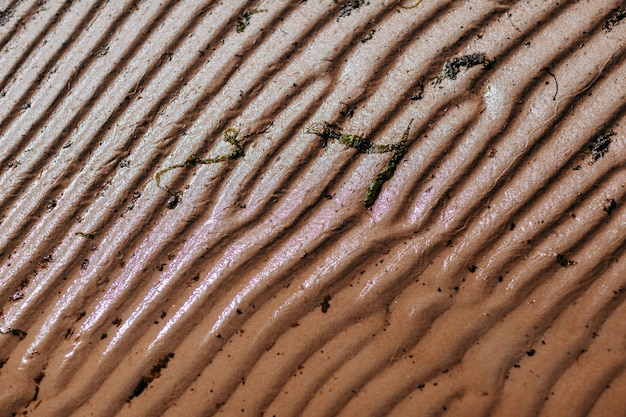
{"x":244,"y":20}
{"x":411,"y":7}
{"x":364,"y":145}
{"x":231,"y":135}
{"x":398,"y":151}
{"x":85,"y":235}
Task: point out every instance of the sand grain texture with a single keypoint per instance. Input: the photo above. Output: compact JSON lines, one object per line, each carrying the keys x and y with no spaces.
{"x":487,"y":278}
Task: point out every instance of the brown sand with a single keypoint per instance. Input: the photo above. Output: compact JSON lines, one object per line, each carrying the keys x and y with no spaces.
{"x":487,"y":278}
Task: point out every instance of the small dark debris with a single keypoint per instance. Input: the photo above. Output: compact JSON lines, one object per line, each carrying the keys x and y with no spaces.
{"x":125,"y":163}
{"x":239,"y":311}
{"x":117,"y":321}
{"x":103,"y":336}
{"x":163,"y":314}
{"x":609,"y":206}
{"x":174,"y":199}
{"x":531,"y":352}
{"x":613,"y":21}
{"x":576,"y":168}
{"x":244,"y":20}
{"x":39,"y":377}
{"x":155,"y":372}
{"x":564,"y":261}
{"x":131,"y":206}
{"x":419,"y":94}
{"x":103,"y":51}
{"x":349,"y":6}
{"x":25,"y":106}
{"x":347,"y":111}
{"x":600,"y":146}
{"x":6,"y":15}
{"x":368,"y":37}
{"x":472,"y":268}
{"x":51,"y":205}
{"x":67,"y":145}
{"x":3,"y":361}
{"x":16,"y":332}
{"x":160,"y":267}
{"x":325,"y":304}
{"x":84,"y":264}
{"x":452,"y":67}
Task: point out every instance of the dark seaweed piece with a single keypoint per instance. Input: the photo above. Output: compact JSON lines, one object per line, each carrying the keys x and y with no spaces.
{"x":600,"y":145}
{"x":615,"y":20}
{"x":452,"y":67}
{"x":564,"y":261}
{"x":6,"y":15}
{"x":349,"y":6}
{"x":609,"y":206}
{"x":155,"y":372}
{"x":244,"y":20}
{"x":15,"y":332}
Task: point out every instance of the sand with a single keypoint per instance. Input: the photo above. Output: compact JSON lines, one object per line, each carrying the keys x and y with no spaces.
{"x":312,"y":208}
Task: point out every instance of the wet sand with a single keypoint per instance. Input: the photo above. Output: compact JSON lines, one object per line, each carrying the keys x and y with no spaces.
{"x":301,"y":208}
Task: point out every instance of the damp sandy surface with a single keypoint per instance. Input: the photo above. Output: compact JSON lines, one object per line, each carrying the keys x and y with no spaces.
{"x":312,"y":208}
